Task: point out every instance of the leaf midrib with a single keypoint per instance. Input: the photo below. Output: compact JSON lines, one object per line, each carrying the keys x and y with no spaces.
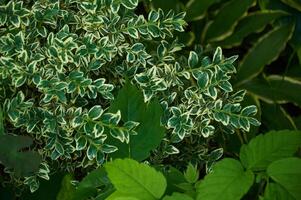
{"x":136,"y":181}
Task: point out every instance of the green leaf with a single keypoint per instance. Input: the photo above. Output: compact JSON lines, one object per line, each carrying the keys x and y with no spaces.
{"x":263,"y":53}
{"x":130,"y":102}
{"x":275,"y":117}
{"x":178,"y":196}
{"x":88,"y":187}
{"x":193,"y":59}
{"x":95,"y":112}
{"x":264,"y":149}
{"x":191,"y":174}
{"x":252,"y":23}
{"x":274,"y":191}
{"x":130,"y":4}
{"x":67,"y":189}
{"x":287,"y":173}
{"x":136,"y":180}
{"x":226,"y":19}
{"x":24,"y":163}
{"x":276,"y":89}
{"x":196,"y":9}
{"x":228,"y":181}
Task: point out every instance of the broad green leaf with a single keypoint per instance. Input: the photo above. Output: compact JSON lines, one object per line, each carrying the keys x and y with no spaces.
{"x":88,"y":187}
{"x":1,"y":122}
{"x":276,"y":89}
{"x":67,"y":189}
{"x":295,"y":17}
{"x":196,"y":9}
{"x":287,"y":173}
{"x":174,"y":177}
{"x":252,"y":23}
{"x":274,"y":191}
{"x":226,"y":19}
{"x":274,"y":117}
{"x":293,"y":3}
{"x":228,"y":181}
{"x":178,"y":196}
{"x":263,"y":53}
{"x":136,"y":180}
{"x":264,"y":149}
{"x":130,"y":102}
{"x":24,"y":163}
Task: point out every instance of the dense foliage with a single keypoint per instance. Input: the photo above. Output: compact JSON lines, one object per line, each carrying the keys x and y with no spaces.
{"x":88,"y":84}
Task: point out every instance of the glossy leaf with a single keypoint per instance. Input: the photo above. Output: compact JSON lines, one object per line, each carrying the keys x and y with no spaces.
{"x":263,"y":53}
{"x":252,"y":23}
{"x":228,"y":181}
{"x":287,"y":173}
{"x":150,"y":133}
{"x":264,"y":149}
{"x":196,"y":9}
{"x":136,"y":180}
{"x":226,"y":19}
{"x":276,"y":89}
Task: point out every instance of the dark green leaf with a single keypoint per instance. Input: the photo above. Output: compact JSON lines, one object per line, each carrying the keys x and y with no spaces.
{"x":196,"y":9}
{"x":276,"y":89}
{"x":228,"y":181}
{"x":287,"y":173}
{"x":274,"y":117}
{"x":263,"y":52}
{"x":226,"y":19}
{"x":293,"y":3}
{"x":67,"y":189}
{"x":150,"y":133}
{"x":251,"y":23}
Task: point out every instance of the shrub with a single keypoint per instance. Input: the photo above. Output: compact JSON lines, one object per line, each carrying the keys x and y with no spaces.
{"x":63,"y":62}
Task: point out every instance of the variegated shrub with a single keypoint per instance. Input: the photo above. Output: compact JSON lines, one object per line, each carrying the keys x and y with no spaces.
{"x":62,"y":62}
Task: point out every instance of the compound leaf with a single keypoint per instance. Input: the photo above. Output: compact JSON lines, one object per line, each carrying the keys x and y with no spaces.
{"x":264,"y":149}
{"x":136,"y":180}
{"x":228,"y":181}
{"x":287,"y":173}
